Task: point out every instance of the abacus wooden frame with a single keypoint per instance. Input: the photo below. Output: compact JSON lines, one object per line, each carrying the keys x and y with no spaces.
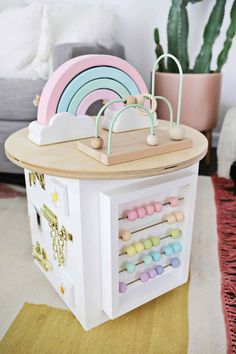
{"x":115,"y":304}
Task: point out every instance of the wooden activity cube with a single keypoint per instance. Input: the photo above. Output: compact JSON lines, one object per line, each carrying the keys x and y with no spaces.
{"x":89,"y":210}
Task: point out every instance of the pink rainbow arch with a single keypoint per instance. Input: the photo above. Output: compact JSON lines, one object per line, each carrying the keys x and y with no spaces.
{"x":65,"y":73}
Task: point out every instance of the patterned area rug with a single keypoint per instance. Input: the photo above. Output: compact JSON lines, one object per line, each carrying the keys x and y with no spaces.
{"x":7,"y":191}
{"x":226,"y":225}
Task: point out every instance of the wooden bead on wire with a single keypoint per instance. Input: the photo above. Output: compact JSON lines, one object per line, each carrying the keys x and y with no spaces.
{"x":125,"y":235}
{"x":96,"y":143}
{"x":179,"y":215}
{"x":171,"y":219}
{"x":140,"y":99}
{"x":152,"y":140}
{"x":130,"y":100}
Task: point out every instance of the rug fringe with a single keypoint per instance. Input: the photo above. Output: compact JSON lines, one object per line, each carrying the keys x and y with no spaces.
{"x":226,"y":225}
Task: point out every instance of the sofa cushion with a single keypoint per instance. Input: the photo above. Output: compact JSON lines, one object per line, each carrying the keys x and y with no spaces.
{"x":16,"y":99}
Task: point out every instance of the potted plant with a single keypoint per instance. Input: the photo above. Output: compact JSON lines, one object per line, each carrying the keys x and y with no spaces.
{"x":201,"y":85}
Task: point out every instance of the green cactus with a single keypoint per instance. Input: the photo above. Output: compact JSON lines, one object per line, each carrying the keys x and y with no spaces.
{"x":159,"y":50}
{"x":211,"y":32}
{"x":177,"y":31}
{"x":229,"y":37}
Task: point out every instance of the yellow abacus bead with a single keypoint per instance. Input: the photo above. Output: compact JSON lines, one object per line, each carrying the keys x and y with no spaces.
{"x":179,"y":215}
{"x":130,"y":251}
{"x":125,"y":235}
{"x":155,"y":240}
{"x":175,"y":233}
{"x":147,"y":244}
{"x":139,"y":247}
{"x":171,"y":219}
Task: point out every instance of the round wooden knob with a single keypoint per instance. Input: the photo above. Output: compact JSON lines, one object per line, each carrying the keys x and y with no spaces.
{"x":176,"y":132}
{"x":152,"y":140}
{"x":96,"y":143}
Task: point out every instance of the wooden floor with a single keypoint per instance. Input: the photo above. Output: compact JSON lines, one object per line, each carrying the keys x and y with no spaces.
{"x":204,"y":170}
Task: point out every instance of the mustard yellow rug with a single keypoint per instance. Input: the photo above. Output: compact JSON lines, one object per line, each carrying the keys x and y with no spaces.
{"x":158,"y":327}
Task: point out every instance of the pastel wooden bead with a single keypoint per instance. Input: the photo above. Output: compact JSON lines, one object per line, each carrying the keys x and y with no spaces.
{"x":139,"y":247}
{"x":168,"y":250}
{"x":155,"y":240}
{"x":150,"y":209}
{"x":159,"y":269}
{"x":176,"y":247}
{"x":147,"y":244}
{"x":156,"y":256}
{"x":152,"y":139}
{"x":125,"y":235}
{"x":130,"y":251}
{"x":171,"y":219}
{"x":141,"y":212}
{"x":176,"y":132}
{"x":152,"y":273}
{"x":140,"y":99}
{"x":175,"y":233}
{"x":132,"y":215}
{"x":122,"y":287}
{"x":147,"y":259}
{"x":144,"y":277}
{"x":130,"y":267}
{"x":158,"y":206}
{"x":96,"y":143}
{"x":175,"y":262}
{"x":179,"y":215}
{"x":174,"y":201}
{"x":130,"y":100}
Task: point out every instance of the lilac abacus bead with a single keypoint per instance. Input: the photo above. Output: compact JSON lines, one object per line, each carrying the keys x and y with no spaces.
{"x":152,"y":273}
{"x":175,"y":262}
{"x":174,"y":201}
{"x":144,"y":277}
{"x":158,"y":206}
{"x":122,"y":287}
{"x":159,"y":269}
{"x":150,"y":209}
{"x":141,"y":212}
{"x":132,"y":215}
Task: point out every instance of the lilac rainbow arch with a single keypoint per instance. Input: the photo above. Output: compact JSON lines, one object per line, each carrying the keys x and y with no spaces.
{"x":95,"y":96}
{"x":65,"y":73}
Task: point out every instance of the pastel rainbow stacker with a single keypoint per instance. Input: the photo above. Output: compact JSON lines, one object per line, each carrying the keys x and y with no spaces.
{"x":110,"y":198}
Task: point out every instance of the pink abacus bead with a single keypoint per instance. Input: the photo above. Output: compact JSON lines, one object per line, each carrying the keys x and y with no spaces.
{"x":179,"y":215}
{"x":132,"y":215}
{"x":141,"y":212}
{"x":174,"y":201}
{"x":150,"y":209}
{"x":171,"y":219}
{"x":158,"y":206}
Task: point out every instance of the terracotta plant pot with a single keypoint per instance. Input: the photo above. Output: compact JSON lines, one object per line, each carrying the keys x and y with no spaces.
{"x":200,"y":100}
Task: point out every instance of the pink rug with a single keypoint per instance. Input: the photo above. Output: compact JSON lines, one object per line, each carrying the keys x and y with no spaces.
{"x":226,"y":226}
{"x":9,"y":192}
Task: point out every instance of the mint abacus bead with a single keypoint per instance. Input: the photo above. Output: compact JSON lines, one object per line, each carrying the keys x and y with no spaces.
{"x":150,"y":209}
{"x":144,"y":277}
{"x":139,"y":247}
{"x":147,"y":259}
{"x":132,"y":215}
{"x":175,"y":262}
{"x":130,"y":251}
{"x":174,"y":201}
{"x":155,"y":255}
{"x":152,"y":273}
{"x":122,"y":287}
{"x":125,"y":235}
{"x":147,"y":244}
{"x":130,"y":267}
{"x":176,"y":247}
{"x":158,"y":207}
{"x":168,"y":250}
{"x":175,"y":233}
{"x":179,"y":215}
{"x":141,"y":212}
{"x":155,"y":241}
{"x":159,"y":269}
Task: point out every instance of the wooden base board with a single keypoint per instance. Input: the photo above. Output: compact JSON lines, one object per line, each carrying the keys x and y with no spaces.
{"x":131,"y":145}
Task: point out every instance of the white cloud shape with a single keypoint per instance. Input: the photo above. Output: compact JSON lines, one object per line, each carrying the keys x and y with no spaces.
{"x":62,"y":127}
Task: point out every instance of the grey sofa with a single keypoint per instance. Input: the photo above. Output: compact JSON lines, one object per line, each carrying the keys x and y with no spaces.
{"x":16,"y":96}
